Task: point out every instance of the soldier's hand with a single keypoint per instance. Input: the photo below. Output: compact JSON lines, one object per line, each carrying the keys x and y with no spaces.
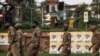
{"x":89,"y":48}
{"x":58,"y":49}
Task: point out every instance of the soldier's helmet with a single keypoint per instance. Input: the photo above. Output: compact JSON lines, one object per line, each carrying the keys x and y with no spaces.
{"x":92,"y":27}
{"x":18,"y":25}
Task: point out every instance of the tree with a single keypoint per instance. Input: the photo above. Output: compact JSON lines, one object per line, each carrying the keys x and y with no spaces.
{"x":79,"y":15}
{"x":29,"y":12}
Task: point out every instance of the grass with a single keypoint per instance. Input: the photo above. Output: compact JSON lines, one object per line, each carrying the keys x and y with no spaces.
{"x":2,"y":54}
{"x":46,"y":54}
{"x":60,"y":55}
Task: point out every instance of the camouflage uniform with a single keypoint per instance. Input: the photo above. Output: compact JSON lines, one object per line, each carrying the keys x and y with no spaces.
{"x":34,"y":45}
{"x":19,"y":35}
{"x":66,"y":51}
{"x":15,"y":43}
{"x":96,"y":44}
{"x":11,"y":33}
{"x":95,"y":41}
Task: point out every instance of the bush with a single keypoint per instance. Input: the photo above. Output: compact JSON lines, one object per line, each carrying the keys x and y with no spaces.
{"x":93,"y":21}
{"x":46,"y":27}
{"x":26,"y":25}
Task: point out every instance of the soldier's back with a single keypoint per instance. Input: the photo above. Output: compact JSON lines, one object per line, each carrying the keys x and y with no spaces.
{"x":95,"y":37}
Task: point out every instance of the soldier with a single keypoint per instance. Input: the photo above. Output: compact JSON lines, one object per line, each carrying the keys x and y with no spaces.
{"x":19,"y":38}
{"x":15,"y":42}
{"x":34,"y":44}
{"x":11,"y":34}
{"x":95,"y":41}
{"x":66,"y":44}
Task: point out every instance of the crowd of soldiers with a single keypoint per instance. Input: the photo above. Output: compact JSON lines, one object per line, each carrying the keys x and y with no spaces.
{"x":16,"y":41}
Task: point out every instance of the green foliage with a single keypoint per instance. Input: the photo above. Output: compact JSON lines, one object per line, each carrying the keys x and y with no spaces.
{"x":93,"y":21}
{"x":80,"y":10}
{"x":26,"y":25}
{"x":46,"y":27}
{"x":81,"y":24}
{"x":31,"y":13}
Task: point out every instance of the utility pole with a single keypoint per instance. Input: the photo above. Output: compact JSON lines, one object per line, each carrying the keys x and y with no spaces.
{"x":43,"y":5}
{"x":31,"y":15}
{"x":42,"y":17}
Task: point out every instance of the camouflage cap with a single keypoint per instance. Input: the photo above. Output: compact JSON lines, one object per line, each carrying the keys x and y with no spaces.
{"x":18,"y":25}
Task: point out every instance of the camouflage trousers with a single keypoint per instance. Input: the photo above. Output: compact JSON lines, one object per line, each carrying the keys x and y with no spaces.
{"x":95,"y":51}
{"x":32,"y":50}
{"x":15,"y":51}
{"x":66,"y":52}
{"x":9,"y":53}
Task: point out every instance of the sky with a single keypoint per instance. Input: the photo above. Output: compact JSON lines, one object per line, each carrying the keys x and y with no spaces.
{"x":73,"y":2}
{"x":70,"y":2}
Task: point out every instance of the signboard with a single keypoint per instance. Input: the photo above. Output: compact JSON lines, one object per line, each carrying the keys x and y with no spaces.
{"x":85,"y":16}
{"x":80,"y":42}
{"x":3,"y":39}
{"x":53,"y":8}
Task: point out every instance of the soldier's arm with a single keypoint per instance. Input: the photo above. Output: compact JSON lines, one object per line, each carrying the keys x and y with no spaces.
{"x":11,"y":34}
{"x":91,"y":47}
{"x":12,"y":30}
{"x":97,"y":41}
{"x":38,"y":33}
{"x":94,"y":44}
{"x":20,"y":36}
{"x":24,"y":42}
{"x":60,"y":47}
{"x":11,"y":42}
{"x":62,"y":43}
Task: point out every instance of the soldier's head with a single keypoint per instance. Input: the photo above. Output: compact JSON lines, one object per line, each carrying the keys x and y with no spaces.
{"x":18,"y":26}
{"x":35,"y":24}
{"x":92,"y":28}
{"x":66,"y":27}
